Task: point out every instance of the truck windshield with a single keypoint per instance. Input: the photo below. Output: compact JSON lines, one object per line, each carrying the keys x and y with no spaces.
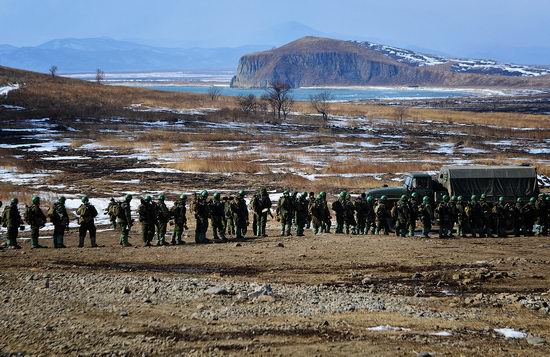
{"x":421,"y":182}
{"x":408,"y":181}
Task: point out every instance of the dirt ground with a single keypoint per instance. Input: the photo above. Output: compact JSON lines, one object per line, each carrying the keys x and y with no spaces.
{"x":327,"y":295}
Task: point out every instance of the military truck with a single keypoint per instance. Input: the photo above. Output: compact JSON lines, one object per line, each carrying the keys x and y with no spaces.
{"x":510,"y":182}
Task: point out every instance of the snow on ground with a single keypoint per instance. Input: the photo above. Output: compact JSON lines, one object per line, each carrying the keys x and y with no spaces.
{"x":11,"y":175}
{"x":387,"y":328}
{"x":12,"y":107}
{"x":152,"y":169}
{"x":6,"y":89}
{"x":510,"y":333}
{"x":442,"y":334}
{"x":66,"y":158}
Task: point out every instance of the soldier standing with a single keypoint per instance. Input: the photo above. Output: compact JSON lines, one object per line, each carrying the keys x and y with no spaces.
{"x":256,"y":211}
{"x":217,"y":213}
{"x":382,"y":216}
{"x":310,"y":200}
{"x":370,"y":216}
{"x":11,"y":219}
{"x":454,"y":214}
{"x":462,"y":219}
{"x":476,"y":217}
{"x":229,"y":222}
{"x":265,"y":210}
{"x":36,"y":219}
{"x":125,"y":220}
{"x":338,"y":208}
{"x":349,"y":215}
{"x":426,"y":215}
{"x":178,"y":212}
{"x":60,"y":218}
{"x":162,"y":217}
{"x":319,"y":213}
{"x":413,"y":212}
{"x":202,"y":212}
{"x":528,"y":213}
{"x":500,"y":212}
{"x":542,"y":209}
{"x":445,"y":215}
{"x":488,"y":223}
{"x":240,"y":215}
{"x":111,"y":212}
{"x":87,"y":214}
{"x":146,"y":212}
{"x":401,"y":215}
{"x":361,"y":213}
{"x":302,"y":208}
{"x":284,"y":213}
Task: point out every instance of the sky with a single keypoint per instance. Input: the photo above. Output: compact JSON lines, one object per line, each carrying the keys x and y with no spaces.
{"x":510,"y":28}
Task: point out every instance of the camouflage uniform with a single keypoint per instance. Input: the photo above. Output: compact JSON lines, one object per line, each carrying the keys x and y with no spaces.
{"x":162,"y":217}
{"x":301,"y":214}
{"x":462,"y":219}
{"x":338,"y":208}
{"x":264,"y":206}
{"x":146,"y":212}
{"x":500,"y":213}
{"x":284,"y":213}
{"x":413,"y":215}
{"x":401,"y":215}
{"x":361,"y":209}
{"x":256,"y":211}
{"x":178,"y":212}
{"x":349,"y":216}
{"x":87,"y":214}
{"x":382,"y":217}
{"x":516,"y":211}
{"x":477,"y":219}
{"x":125,"y":221}
{"x":320,"y":214}
{"x":110,"y":212}
{"x":229,"y":222}
{"x":370,"y":216}
{"x":528,"y":213}
{"x":445,"y":215}
{"x":240,"y":215}
{"x":488,"y":221}
{"x":542,"y":209}
{"x":60,"y":219}
{"x":11,"y":219}
{"x":217,"y":213}
{"x":201,"y":211}
{"x":310,"y":200}
{"x":36,"y":219}
{"x":426,"y":216}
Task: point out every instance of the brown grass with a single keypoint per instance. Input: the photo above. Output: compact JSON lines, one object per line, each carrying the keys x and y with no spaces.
{"x":358,"y":167}
{"x":221,"y":164}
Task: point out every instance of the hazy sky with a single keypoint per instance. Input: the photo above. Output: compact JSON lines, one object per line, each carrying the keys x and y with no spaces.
{"x":457,"y":27}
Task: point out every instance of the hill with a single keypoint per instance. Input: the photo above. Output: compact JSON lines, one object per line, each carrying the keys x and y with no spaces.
{"x":315,"y":61}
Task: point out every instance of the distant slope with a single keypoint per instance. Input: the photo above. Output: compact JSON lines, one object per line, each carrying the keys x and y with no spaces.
{"x":86,"y":55}
{"x":314,"y":61}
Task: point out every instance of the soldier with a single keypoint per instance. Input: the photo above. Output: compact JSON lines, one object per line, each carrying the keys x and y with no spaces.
{"x":310,"y":200}
{"x":413,"y":212}
{"x":426,"y":216}
{"x":125,"y":220}
{"x":240,"y":215}
{"x":230,"y":223}
{"x":488,"y":226}
{"x":202,"y":212}
{"x":542,"y":209}
{"x":516,"y":212}
{"x":60,"y":218}
{"x":454,"y":214}
{"x":111,"y":212}
{"x":284,"y":213}
{"x":349,"y":215}
{"x":370,"y":216}
{"x":87,"y":214}
{"x":319,"y":213}
{"x":500,"y":212}
{"x":217,"y":213}
{"x":338,"y":208}
{"x":528,"y":213}
{"x":162,"y":217}
{"x":294,"y":201}
{"x":382,"y":216}
{"x":361,"y":213}
{"x":146,"y":212}
{"x":256,"y":211}
{"x":462,"y":219}
{"x":264,"y":207}
{"x":401,"y":215}
{"x":445,"y":215}
{"x":11,"y":219}
{"x":36,"y":219}
{"x":301,"y":213}
{"x":178,"y":212}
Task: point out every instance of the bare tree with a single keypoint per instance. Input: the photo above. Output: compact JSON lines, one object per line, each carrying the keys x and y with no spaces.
{"x":248,"y":103}
{"x":321,"y":103}
{"x":400,"y":112}
{"x":53,"y":71}
{"x":279,"y":98}
{"x":99,"y":76}
{"x":214,"y":93}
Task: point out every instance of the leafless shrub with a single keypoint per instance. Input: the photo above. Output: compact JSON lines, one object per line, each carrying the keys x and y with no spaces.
{"x":53,"y":71}
{"x":99,"y":76}
{"x":278,"y":95}
{"x":321,"y":103}
{"x":247,"y":103}
{"x":214,"y":93}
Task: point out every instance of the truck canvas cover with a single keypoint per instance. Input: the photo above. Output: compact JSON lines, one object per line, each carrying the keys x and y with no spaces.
{"x":494,"y":181}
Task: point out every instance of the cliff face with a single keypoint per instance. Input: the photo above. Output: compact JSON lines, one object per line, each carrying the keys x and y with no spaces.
{"x":324,"y":62}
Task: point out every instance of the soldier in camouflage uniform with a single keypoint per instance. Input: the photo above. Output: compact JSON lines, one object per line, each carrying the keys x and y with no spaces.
{"x":217,"y":213}
{"x":454,"y":213}
{"x":528,"y":213}
{"x":60,"y":218}
{"x":36,"y":219}
{"x":240,"y":215}
{"x":146,"y":211}
{"x":87,"y":214}
{"x":110,"y":212}
{"x":162,"y":217}
{"x":370,"y":226}
{"x":320,"y":214}
{"x":361,"y":213}
{"x":178,"y":212}
{"x":500,"y":212}
{"x":338,"y":208}
{"x":426,"y":216}
{"x":542,"y":209}
{"x":462,"y":219}
{"x":11,"y":219}
{"x":301,"y":214}
{"x":229,"y":222}
{"x":202,"y":212}
{"x":256,"y":211}
{"x":445,"y":215}
{"x":401,"y":215}
{"x":413,"y":212}
{"x":488,"y":227}
{"x":264,"y":207}
{"x":477,"y":217}
{"x":382,"y":214}
{"x":284,"y":213}
{"x":349,"y":215}
{"x":125,"y":220}
{"x":310,"y":200}
{"x":516,"y":211}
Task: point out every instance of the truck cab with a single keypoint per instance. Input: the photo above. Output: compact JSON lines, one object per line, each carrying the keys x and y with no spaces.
{"x":420,"y":182}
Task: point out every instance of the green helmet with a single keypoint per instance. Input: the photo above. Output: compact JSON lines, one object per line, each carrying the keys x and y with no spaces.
{"x":548,"y":198}
{"x":541,"y":195}
{"x":369,"y":198}
{"x":285,"y":193}
{"x":501,"y":199}
{"x":403,"y":198}
{"x":128,"y":198}
{"x":532,"y":200}
{"x":35,"y":200}
{"x":445,"y":198}
{"x":85,"y":199}
{"x":483,"y":197}
{"x":217,"y":196}
{"x":460,"y":198}
{"x":474,"y":198}
{"x":148,"y":198}
{"x":414,"y":195}
{"x":519,"y":200}
{"x":426,"y":199}
{"x":204,"y":194}
{"x":242,"y":193}
{"x":348,"y":196}
{"x":61,"y":199}
{"x":383,"y":198}
{"x":453,"y":198}
{"x":14,"y":201}
{"x":304,"y":194}
{"x":343,"y":194}
{"x":161,"y":197}
{"x":263,"y":191}
{"x":183,"y":196}
{"x":322,"y":194}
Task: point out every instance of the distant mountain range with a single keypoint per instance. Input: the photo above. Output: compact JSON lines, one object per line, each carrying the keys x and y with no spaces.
{"x":316,"y":61}
{"x":86,"y":55}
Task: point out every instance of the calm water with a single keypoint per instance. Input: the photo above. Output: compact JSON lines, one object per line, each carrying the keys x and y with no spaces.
{"x":339,"y":94}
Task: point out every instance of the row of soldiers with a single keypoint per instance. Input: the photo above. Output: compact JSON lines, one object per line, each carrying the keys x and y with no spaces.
{"x":229,"y":216}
